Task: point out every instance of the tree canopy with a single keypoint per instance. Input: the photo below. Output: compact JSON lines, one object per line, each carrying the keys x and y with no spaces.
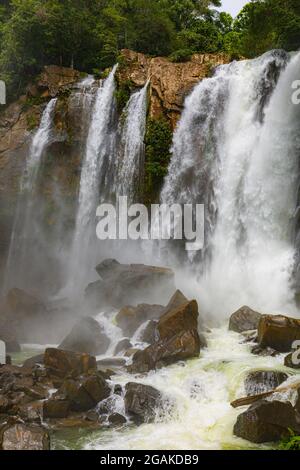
{"x":88,"y":34}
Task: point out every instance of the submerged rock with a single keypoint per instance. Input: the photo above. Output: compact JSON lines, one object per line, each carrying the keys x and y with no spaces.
{"x":261,"y":381}
{"x":123,"y":284}
{"x":278,"y":332}
{"x":116,"y":419}
{"x":62,"y":363}
{"x":244,"y":319}
{"x":86,"y":336}
{"x":142,"y":402}
{"x":20,"y":436}
{"x":267,"y":421}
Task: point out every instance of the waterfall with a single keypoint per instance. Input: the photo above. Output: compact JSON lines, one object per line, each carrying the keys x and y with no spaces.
{"x":132,"y":147}
{"x":24,"y":231}
{"x":99,"y":146}
{"x":236,"y":149}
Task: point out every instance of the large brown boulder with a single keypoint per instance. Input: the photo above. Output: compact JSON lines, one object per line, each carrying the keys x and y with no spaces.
{"x":278,"y":332}
{"x":87,"y":336}
{"x":84,"y":392}
{"x":261,"y":381}
{"x":142,"y":402}
{"x":182,"y":318}
{"x":129,"y":319}
{"x":55,"y":408}
{"x":124,"y":284}
{"x":267,"y":421}
{"x":20,"y":436}
{"x":61,"y":363}
{"x":176,"y":301}
{"x":183,"y":346}
{"x":244,"y":319}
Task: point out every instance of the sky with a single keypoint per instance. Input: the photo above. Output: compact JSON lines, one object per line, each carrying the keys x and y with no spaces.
{"x":233,"y":6}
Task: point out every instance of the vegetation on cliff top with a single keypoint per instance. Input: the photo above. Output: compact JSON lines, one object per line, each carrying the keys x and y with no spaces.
{"x":90,"y":33}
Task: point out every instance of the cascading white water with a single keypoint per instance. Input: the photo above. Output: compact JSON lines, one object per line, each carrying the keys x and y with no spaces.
{"x":97,"y":155}
{"x":132,"y":148}
{"x":236,"y":150}
{"x":23,"y":229}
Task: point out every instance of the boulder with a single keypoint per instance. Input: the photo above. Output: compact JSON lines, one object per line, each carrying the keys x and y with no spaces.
{"x":19,"y":436}
{"x":176,"y":301}
{"x":290,"y":362}
{"x":183,"y":346}
{"x":32,"y":361}
{"x":87,"y":336}
{"x":129,"y":319}
{"x":278,"y":332}
{"x":55,"y":408}
{"x":85,"y":392}
{"x":261,"y":381}
{"x":122,"y":346}
{"x":115,"y":419}
{"x":182,"y":318}
{"x":267,"y":421}
{"x":31,"y":412}
{"x":149,"y":334}
{"x":244,"y":319}
{"x":63,"y":363}
{"x":142,"y":402}
{"x":124,"y":284}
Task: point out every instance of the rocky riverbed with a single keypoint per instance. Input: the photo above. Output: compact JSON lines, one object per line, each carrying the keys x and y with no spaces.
{"x":156,"y":378}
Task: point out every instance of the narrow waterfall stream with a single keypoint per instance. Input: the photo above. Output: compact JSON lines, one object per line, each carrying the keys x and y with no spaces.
{"x":131,"y":155}
{"x":99,"y":147}
{"x":25,"y":232}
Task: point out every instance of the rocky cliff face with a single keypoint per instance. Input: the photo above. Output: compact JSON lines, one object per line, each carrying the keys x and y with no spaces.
{"x":169,"y":84}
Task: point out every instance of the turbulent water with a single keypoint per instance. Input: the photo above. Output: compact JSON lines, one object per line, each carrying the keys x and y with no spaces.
{"x":25,"y":231}
{"x":236,"y":150}
{"x":132,"y":151}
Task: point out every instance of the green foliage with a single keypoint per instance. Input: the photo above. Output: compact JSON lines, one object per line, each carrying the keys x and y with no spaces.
{"x":268,"y":24}
{"x":158,"y":143}
{"x":292,"y":442}
{"x":182,"y":55}
{"x":122,"y":94}
{"x":89,"y":34}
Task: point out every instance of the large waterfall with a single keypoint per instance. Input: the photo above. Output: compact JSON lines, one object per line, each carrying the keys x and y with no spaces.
{"x":236,"y":149}
{"x":25,"y":231}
